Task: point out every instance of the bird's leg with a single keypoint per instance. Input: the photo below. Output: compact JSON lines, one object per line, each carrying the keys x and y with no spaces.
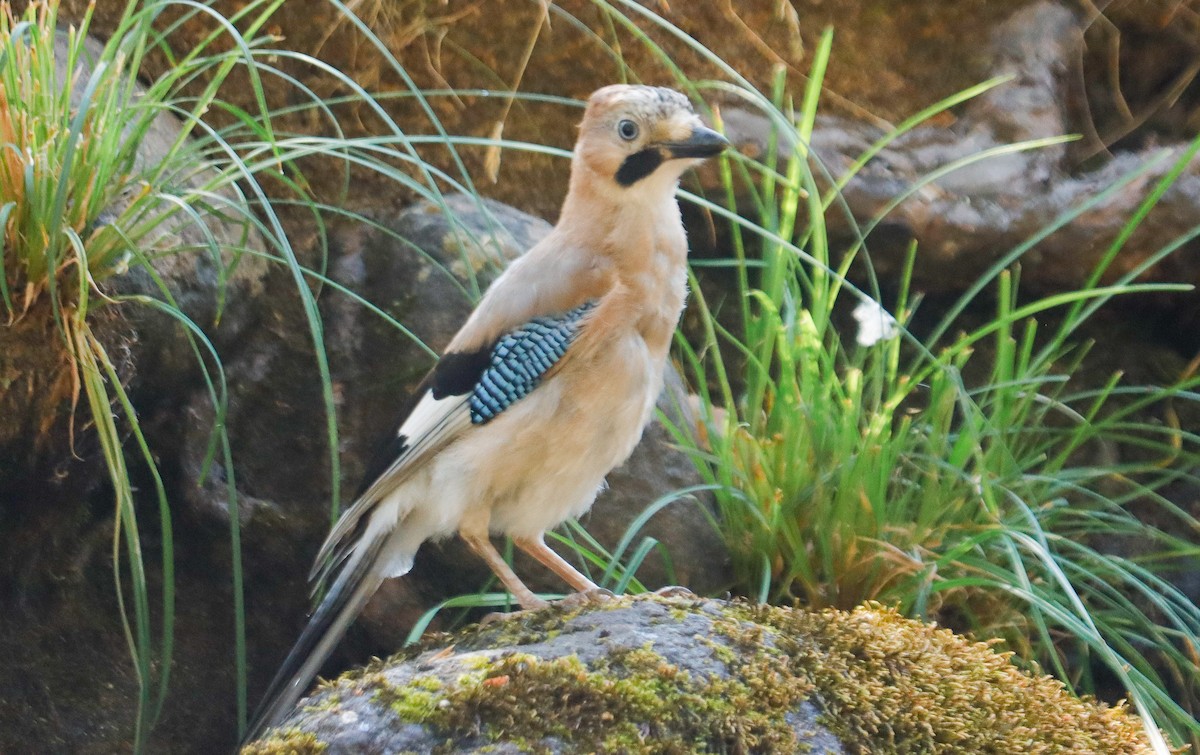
{"x":537,"y":548}
{"x":482,"y":546}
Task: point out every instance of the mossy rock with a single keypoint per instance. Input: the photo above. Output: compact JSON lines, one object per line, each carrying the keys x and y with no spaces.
{"x":677,"y":675}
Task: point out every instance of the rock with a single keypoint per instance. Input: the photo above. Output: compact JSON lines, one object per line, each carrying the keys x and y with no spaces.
{"x":665,"y":675}
{"x":967,"y":219}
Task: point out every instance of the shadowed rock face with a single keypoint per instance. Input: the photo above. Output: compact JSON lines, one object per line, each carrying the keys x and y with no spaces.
{"x":665,"y":675}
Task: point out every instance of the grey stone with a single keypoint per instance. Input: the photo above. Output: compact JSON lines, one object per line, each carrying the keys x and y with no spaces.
{"x":353,"y":715}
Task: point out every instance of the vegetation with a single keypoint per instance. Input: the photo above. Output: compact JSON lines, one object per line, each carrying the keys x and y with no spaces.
{"x":854,"y":472}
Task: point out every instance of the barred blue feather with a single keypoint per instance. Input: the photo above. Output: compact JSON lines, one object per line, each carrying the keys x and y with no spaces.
{"x":519,"y":360}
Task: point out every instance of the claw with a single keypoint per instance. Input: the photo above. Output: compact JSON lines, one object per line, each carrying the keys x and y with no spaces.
{"x":674,"y":591}
{"x":496,"y":616}
{"x":586,"y":598}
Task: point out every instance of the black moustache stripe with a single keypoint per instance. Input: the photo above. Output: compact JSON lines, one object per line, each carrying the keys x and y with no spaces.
{"x":639,"y":165}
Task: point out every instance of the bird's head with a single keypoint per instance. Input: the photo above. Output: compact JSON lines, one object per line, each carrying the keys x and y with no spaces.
{"x":639,"y":138}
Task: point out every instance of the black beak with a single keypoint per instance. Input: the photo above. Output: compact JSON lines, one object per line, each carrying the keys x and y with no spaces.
{"x":703,"y":142}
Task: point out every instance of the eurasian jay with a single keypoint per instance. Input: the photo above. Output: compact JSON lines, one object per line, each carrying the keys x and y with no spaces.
{"x":544,"y":390}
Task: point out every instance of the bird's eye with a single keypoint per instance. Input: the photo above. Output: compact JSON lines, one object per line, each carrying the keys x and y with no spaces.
{"x":628,"y":130}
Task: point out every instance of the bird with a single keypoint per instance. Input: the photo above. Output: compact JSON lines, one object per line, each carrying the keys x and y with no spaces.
{"x":544,"y":390}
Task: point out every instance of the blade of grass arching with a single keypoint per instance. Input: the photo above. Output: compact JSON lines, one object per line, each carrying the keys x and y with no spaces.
{"x":1063,"y":299}
{"x":645,"y":516}
{"x":1084,"y":627}
{"x":639,"y":555}
{"x":1081,"y":311}
{"x":610,"y":48}
{"x":235,"y":527}
{"x":241,"y":54}
{"x":311,"y":313}
{"x":275,"y":231}
{"x":592,"y":552}
{"x":633,"y":8}
{"x":323,"y":109}
{"x":353,"y":296}
{"x":218,"y":395}
{"x":766,"y":234}
{"x":280,"y":177}
{"x":1143,"y":210}
{"x":1140,"y":688}
{"x":1165,"y":597}
{"x":395,"y":65}
{"x":1117,"y":616}
{"x":569,"y":535}
{"x":330,"y":283}
{"x":325,"y":105}
{"x":962,"y":162}
{"x":5,"y":212}
{"x":480,"y":600}
{"x":379,"y":147}
{"x":908,"y":124}
{"x":299,"y":148}
{"x":89,"y":354}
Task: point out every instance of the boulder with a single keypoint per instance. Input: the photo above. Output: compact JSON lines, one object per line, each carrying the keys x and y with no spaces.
{"x":681,"y":674}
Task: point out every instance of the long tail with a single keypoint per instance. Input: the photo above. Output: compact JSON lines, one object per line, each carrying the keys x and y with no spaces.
{"x":354,"y":586}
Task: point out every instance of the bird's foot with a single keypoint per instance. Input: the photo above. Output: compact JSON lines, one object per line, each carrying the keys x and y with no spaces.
{"x":674,"y":591}
{"x":495,"y":616}
{"x":586,"y":598}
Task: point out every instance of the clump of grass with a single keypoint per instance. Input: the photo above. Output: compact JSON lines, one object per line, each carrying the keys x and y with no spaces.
{"x":848,"y":473}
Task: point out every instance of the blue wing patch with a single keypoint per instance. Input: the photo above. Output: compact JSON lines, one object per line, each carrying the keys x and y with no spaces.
{"x":519,"y":360}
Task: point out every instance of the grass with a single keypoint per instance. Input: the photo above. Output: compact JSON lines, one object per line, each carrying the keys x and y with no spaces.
{"x":847,"y":473}
{"x":949,"y":472}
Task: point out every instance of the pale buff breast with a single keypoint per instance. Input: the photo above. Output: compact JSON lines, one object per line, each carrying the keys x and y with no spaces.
{"x":549,"y":457}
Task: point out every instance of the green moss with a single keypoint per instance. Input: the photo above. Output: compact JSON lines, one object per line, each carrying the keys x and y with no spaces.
{"x":286,"y":742}
{"x":418,"y":700}
{"x":889,"y":684}
{"x":635,"y":701}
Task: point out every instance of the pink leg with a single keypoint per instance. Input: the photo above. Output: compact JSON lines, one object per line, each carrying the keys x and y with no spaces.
{"x":537,"y":548}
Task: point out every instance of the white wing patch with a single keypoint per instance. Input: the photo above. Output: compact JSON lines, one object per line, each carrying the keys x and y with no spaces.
{"x":431,"y":424}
